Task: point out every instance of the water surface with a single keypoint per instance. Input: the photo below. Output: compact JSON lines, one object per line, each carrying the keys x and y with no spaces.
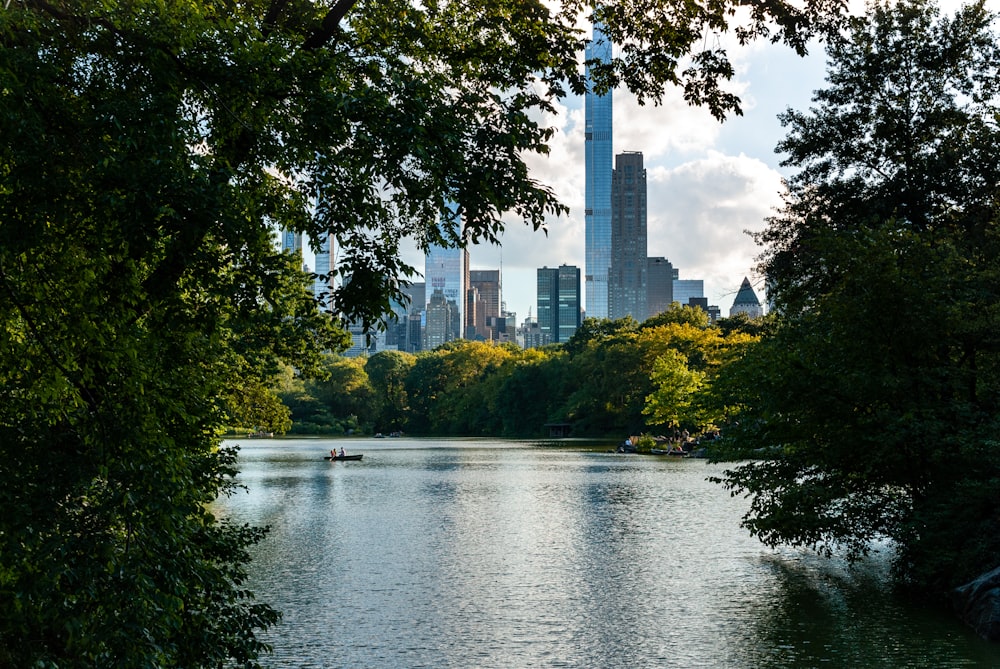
{"x":478,"y":553}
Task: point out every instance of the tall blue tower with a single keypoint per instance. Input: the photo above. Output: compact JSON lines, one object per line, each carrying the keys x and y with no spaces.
{"x":597,"y":193}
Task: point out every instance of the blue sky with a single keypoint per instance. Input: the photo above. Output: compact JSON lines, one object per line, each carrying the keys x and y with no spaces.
{"x":708,"y":182}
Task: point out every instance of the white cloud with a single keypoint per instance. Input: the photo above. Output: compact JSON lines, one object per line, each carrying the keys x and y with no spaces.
{"x":699,"y":215}
{"x":704,"y":191}
{"x":708,"y":182}
{"x":668,"y":131}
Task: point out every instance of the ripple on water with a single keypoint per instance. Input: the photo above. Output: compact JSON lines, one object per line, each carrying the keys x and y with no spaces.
{"x":483,"y":554}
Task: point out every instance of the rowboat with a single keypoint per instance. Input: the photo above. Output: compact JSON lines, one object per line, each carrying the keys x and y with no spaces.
{"x":343,"y":457}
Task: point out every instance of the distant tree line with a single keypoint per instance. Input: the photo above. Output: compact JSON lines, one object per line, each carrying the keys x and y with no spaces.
{"x":612,"y":378}
{"x":865,"y":410}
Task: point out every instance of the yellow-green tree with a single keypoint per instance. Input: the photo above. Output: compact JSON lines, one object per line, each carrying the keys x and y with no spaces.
{"x":149,"y":149}
{"x":671,"y":403}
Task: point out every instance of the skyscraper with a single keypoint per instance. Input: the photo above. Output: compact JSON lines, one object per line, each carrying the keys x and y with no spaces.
{"x":597,"y":192}
{"x":659,"y":285}
{"x":442,"y":321}
{"x":558,"y":295}
{"x":444,"y":272}
{"x":547,"y":300}
{"x":487,"y":284}
{"x":627,"y":276}
{"x":323,"y":283}
{"x":685,"y":289}
{"x":291,"y":241}
{"x":569,"y":302}
{"x":747,"y":301}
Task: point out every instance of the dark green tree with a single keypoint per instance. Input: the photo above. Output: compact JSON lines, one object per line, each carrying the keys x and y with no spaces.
{"x":876,"y":397}
{"x":742,"y":322}
{"x":148,"y":151}
{"x":387,"y":371}
{"x":533,"y":392}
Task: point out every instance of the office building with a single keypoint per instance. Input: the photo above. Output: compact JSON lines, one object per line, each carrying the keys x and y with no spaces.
{"x":323,"y":283}
{"x":445,"y":271}
{"x":598,"y":150}
{"x":660,"y":274}
{"x":685,"y":289}
{"x":530,"y":335}
{"x":747,"y":302}
{"x":398,"y":325}
{"x":486,"y":283}
{"x":291,"y":241}
{"x":442,"y":322}
{"x":558,"y":301}
{"x":627,"y":277}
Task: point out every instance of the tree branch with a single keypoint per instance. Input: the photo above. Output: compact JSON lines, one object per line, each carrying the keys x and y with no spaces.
{"x":330,"y":26}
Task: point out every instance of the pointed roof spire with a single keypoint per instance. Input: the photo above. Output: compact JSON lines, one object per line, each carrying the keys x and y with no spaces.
{"x":746,"y":296}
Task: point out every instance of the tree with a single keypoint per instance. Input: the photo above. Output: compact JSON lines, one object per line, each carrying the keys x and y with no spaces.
{"x":875,"y":397}
{"x":344,"y":390}
{"x":670,"y":403}
{"x":531,"y":394}
{"x":255,"y":406}
{"x":148,"y":150}
{"x":684,"y":361}
{"x":387,"y":371}
{"x":742,"y":322}
{"x":448,"y":388}
{"x":679,"y":314}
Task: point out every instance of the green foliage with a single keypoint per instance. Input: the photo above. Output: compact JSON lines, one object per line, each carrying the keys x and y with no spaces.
{"x":336,"y":399}
{"x":679,"y":315}
{"x":387,"y":372}
{"x":676,"y":385}
{"x":741,"y":322}
{"x":148,"y":151}
{"x":644,"y":444}
{"x":621,"y":375}
{"x":874,"y":398}
{"x":452,"y":389}
{"x":532,"y":393}
{"x":254,"y":406}
{"x":596,"y":329}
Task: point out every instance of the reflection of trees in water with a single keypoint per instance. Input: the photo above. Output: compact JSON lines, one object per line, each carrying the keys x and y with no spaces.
{"x":822,"y":612}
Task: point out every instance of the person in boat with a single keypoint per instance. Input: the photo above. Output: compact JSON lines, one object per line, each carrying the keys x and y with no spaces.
{"x":333,"y":454}
{"x":342,"y":453}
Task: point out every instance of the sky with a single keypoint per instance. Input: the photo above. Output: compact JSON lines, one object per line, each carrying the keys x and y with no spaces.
{"x":708,"y":182}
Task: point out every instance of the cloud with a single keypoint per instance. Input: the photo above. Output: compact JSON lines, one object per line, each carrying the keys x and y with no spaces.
{"x":699,"y":215}
{"x":670,"y":130}
{"x":708,"y":182}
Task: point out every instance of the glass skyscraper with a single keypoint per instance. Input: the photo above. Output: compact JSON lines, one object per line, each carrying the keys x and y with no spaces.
{"x":597,"y":193}
{"x":291,"y":241}
{"x":323,"y":283}
{"x":558,"y":298}
{"x":687,"y":289}
{"x":444,"y":272}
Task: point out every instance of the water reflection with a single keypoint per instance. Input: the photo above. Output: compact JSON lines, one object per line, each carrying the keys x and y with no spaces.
{"x":491,"y":554}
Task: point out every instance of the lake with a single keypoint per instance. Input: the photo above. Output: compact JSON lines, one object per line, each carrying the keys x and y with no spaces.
{"x":484,"y":553}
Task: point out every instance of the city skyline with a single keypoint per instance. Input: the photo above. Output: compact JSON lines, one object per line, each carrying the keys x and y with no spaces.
{"x":708,"y":181}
